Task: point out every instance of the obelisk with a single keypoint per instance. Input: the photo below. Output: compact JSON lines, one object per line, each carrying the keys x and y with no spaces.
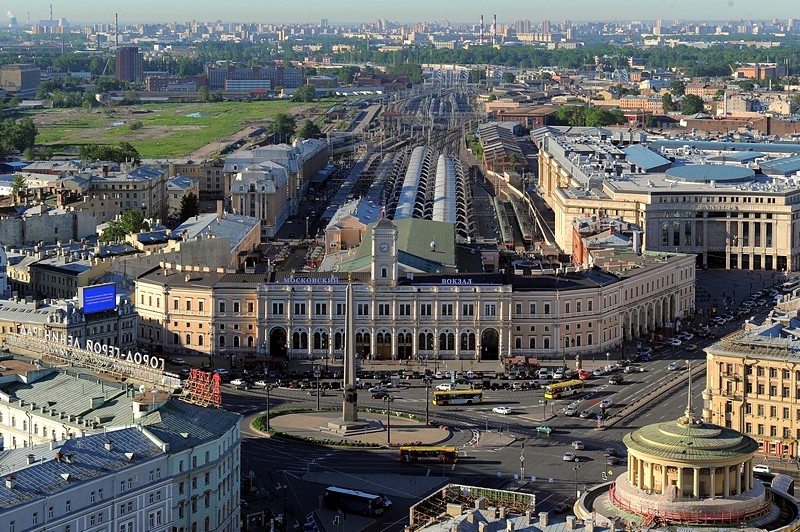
{"x":350,"y":395}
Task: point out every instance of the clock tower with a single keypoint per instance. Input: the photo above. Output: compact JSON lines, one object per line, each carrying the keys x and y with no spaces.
{"x":384,"y":253}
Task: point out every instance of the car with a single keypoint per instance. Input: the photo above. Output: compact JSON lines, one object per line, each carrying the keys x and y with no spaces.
{"x":646,"y":351}
{"x":616,"y":379}
{"x":686,"y":335}
{"x":610,"y":451}
{"x":570,"y":457}
{"x":438,"y":375}
{"x":184,"y":373}
{"x":558,"y":375}
{"x":761,"y":468}
{"x":222,"y":371}
{"x":673,"y":367}
{"x":470,"y":375}
{"x":585,"y":414}
{"x":612,"y":460}
{"x":378,"y":388}
{"x":675,"y":342}
{"x":501,"y":410}
{"x":632,"y":369}
{"x":444,"y":387}
{"x":260,"y":384}
{"x":577,"y":445}
{"x":544,"y":374}
{"x":606,"y":403}
{"x":599,"y":372}
{"x":564,"y":506}
{"x":691,"y":347}
{"x":316,"y":392}
{"x":544,"y":429}
{"x":571,"y":410}
{"x":178,"y":361}
{"x":237,"y":382}
{"x":382,"y":395}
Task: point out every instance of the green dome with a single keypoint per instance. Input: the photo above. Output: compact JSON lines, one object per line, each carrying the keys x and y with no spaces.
{"x":690,"y":443}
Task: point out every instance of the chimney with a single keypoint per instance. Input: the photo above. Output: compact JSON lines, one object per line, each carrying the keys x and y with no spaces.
{"x":494,"y":30}
{"x":509,"y":525}
{"x":219,"y":209}
{"x":109,"y":445}
{"x":480,"y":39}
{"x":10,"y":482}
{"x":31,"y":459}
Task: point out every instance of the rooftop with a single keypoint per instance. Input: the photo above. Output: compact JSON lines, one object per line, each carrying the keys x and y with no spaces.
{"x":690,"y":443}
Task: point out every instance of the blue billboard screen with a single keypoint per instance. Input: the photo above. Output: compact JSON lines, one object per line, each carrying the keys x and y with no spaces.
{"x":99,"y":298}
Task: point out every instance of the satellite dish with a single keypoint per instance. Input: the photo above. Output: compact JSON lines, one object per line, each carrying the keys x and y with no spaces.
{"x":142,"y":388}
{"x":434,"y":245}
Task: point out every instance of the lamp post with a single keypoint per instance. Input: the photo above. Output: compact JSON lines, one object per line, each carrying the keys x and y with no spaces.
{"x":522,"y":462}
{"x":427,"y":400}
{"x":608,"y":359}
{"x":306,"y":228}
{"x":575,"y":469}
{"x":317,"y":374}
{"x":269,"y":386}
{"x":388,"y":399}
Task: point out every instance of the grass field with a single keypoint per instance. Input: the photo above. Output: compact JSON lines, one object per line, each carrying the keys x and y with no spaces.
{"x":166,"y":130}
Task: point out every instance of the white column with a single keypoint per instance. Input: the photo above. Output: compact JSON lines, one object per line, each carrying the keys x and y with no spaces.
{"x":738,"y":481}
{"x":680,"y":481}
{"x":726,"y":481}
{"x":713,"y":491}
{"x":640,"y":474}
{"x":696,"y":483}
{"x":664,"y":479}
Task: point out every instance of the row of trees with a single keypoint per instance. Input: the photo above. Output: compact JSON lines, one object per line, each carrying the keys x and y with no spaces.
{"x":17,"y":135}
{"x":284,"y":127}
{"x":120,"y":153}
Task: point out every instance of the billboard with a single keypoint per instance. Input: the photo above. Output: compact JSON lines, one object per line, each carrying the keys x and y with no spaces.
{"x":98,"y":298}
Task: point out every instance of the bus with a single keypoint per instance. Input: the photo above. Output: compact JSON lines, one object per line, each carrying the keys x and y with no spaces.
{"x":788,"y":286}
{"x":457,"y":397}
{"x":563,"y":389}
{"x":446,"y":455}
{"x":354,"y":501}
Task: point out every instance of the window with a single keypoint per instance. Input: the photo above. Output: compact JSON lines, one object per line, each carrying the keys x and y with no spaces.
{"x":236,"y":306}
{"x":208,"y":478}
{"x":383,"y":309}
{"x":490,"y":309}
{"x":547,"y":308}
{"x":425,"y":309}
{"x":68,"y":506}
{"x":50,"y":512}
{"x":121,"y":509}
{"x":277,"y":308}
{"x":299,"y":309}
{"x":222,"y":306}
{"x":362,"y":309}
{"x":320,"y":309}
{"x":404,"y":309}
{"x":468,"y":309}
{"x":447,"y":309}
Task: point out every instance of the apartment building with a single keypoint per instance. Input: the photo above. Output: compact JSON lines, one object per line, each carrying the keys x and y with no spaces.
{"x":753,"y":382}
{"x":111,"y":194}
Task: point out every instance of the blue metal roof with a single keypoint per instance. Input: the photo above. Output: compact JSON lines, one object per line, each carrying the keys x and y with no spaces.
{"x":740,"y":156}
{"x":769,"y":147}
{"x":710,"y":172}
{"x":645,"y":158}
{"x":785,"y":166}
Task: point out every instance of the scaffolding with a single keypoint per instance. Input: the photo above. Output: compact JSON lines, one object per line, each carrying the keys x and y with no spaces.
{"x":204,"y":389}
{"x":432,"y":508}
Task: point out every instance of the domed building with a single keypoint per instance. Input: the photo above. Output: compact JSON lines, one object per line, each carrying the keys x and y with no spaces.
{"x":690,"y":473}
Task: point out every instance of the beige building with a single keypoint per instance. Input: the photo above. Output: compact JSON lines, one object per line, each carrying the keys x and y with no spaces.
{"x":179,"y":187}
{"x":261,"y":191}
{"x":713,"y":205}
{"x":208,"y":173}
{"x":753,"y":382}
{"x":403,"y":312}
{"x":143,"y":188}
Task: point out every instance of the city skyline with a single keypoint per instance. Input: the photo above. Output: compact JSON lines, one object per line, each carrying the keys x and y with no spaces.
{"x":348,"y":11}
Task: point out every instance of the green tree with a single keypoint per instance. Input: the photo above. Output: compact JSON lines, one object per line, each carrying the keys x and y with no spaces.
{"x":692,"y":104}
{"x":190,"y":206}
{"x":677,"y":87}
{"x":308,"y":130}
{"x":509,"y":77}
{"x":306,"y":93}
{"x":203,"y":93}
{"x":283,"y":126}
{"x":347,"y":74}
{"x":123,"y":152}
{"x":131,"y":221}
{"x":17,"y":135}
{"x":19,"y":187}
{"x":412,"y":70}
{"x":131,"y":97}
{"x":667,"y":103}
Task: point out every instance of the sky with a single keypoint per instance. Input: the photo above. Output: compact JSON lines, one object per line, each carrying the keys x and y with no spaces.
{"x":279,"y":11}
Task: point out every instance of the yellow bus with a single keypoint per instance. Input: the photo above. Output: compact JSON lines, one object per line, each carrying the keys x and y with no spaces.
{"x":457,"y":397}
{"x":563,"y":389}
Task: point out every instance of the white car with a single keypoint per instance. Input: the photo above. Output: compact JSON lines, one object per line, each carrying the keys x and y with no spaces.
{"x":687,"y":336}
{"x":606,"y":403}
{"x":672,"y":367}
{"x":260,"y":384}
{"x":578,"y":445}
{"x":571,"y":410}
{"x":221,"y":371}
{"x":438,"y":375}
{"x":761,"y":468}
{"x":179,"y":361}
{"x":570,"y":457}
{"x":558,"y":374}
{"x":598,"y":372}
{"x":674,"y":342}
{"x":237,"y":382}
{"x":501,"y":410}
{"x":444,"y":387}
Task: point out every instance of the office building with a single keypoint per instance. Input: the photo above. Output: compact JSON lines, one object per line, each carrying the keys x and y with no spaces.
{"x":130,"y":64}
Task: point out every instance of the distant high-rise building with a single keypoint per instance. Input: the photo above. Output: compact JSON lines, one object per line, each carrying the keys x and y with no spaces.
{"x":545,"y":26}
{"x":130,"y":65}
{"x":324,"y":23}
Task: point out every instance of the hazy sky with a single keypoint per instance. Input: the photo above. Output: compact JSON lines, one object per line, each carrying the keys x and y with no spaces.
{"x":402,"y":11}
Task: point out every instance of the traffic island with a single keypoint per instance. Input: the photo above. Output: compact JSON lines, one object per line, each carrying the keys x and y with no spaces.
{"x":311,"y":426}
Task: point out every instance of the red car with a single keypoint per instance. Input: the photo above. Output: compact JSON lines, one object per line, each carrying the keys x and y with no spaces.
{"x":585,"y":375}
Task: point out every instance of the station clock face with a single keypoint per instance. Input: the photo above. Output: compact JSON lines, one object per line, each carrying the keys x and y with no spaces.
{"x":384,"y":247}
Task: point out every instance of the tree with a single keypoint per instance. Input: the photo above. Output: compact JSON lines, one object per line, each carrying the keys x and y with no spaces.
{"x":123,"y":152}
{"x":677,"y":87}
{"x":17,"y":136}
{"x":131,"y":221}
{"x":283,"y":126}
{"x":190,"y":206}
{"x":308,"y":130}
{"x":692,"y":104}
{"x":203,"y":93}
{"x":306,"y":93}
{"x":667,"y":103}
{"x":509,"y":77}
{"x":19,"y":187}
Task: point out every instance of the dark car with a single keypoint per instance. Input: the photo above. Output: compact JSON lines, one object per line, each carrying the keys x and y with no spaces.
{"x":616,"y":379}
{"x":382,"y":395}
{"x":610,"y":451}
{"x":612,"y":460}
{"x":563,"y":506}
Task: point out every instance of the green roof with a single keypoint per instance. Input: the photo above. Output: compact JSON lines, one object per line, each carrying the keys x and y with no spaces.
{"x":690,"y":443}
{"x":414,"y":238}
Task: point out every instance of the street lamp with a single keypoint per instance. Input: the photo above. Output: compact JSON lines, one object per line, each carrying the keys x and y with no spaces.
{"x":388,"y":399}
{"x":608,"y":359}
{"x":575,"y":469}
{"x":317,"y":374}
{"x":427,"y":400}
{"x":306,"y":228}
{"x":269,"y":386}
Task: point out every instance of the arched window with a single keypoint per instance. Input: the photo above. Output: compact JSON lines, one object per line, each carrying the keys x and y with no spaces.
{"x":235,"y":341}
{"x":517,"y":343}
{"x":200,"y":340}
{"x":532,"y":342}
{"x":249,"y":341}
{"x":578,"y":341}
{"x":589,"y":339}
{"x":547,"y":343}
{"x":222,"y":340}
{"x":188,"y":339}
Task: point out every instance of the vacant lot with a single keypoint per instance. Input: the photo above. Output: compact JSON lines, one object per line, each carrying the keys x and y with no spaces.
{"x":160,"y":130}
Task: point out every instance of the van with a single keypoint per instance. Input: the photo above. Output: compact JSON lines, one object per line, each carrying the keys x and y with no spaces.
{"x":761,"y":468}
